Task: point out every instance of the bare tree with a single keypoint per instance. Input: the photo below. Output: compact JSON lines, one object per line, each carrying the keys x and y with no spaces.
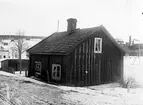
{"x":20,"y":46}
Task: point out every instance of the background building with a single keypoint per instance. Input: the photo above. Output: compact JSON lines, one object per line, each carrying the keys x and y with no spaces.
{"x":133,"y":47}
{"x":7,"y":43}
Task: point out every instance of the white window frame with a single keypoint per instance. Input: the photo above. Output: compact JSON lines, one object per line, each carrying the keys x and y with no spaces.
{"x":97,"y":46}
{"x":55,"y":71}
{"x":38,"y":66}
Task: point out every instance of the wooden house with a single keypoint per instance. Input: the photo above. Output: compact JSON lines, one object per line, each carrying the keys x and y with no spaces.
{"x":78,"y":57}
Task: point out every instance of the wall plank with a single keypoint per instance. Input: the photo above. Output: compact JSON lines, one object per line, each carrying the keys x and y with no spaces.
{"x":89,"y":63}
{"x":92,"y":68}
{"x":79,"y":65}
{"x":75,"y":66}
{"x":83,"y":63}
{"x":86,"y":63}
{"x":89,"y":48}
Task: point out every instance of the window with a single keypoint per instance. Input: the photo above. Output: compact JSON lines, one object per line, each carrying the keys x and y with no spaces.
{"x":38,"y":66}
{"x":1,"y":48}
{"x":4,"y":56}
{"x":97,"y":45}
{"x":56,"y":71}
{"x":5,"y":43}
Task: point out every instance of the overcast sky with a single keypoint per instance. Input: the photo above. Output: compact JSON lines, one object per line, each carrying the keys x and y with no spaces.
{"x":40,"y":17}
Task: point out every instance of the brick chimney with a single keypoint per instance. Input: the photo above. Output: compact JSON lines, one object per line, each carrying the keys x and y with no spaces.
{"x":71,"y":25}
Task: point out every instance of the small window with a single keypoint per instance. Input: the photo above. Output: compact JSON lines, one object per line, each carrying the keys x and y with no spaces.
{"x":4,"y":56}
{"x":56,"y":71}
{"x":38,"y":66}
{"x":5,"y":43}
{"x":1,"y":48}
{"x":97,"y":45}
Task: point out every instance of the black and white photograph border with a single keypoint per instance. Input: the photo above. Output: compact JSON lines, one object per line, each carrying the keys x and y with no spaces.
{"x":71,"y":52}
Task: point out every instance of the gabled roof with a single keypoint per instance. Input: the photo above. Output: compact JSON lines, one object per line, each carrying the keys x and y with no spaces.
{"x":63,"y":43}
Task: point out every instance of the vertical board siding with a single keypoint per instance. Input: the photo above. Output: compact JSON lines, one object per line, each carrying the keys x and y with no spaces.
{"x":75,"y":66}
{"x":87,"y":63}
{"x":79,"y":65}
{"x":99,"y":74}
{"x":30,"y":66}
{"x":89,"y":60}
{"x":83,"y":63}
{"x":71,"y":69}
{"x":66,"y":72}
{"x":91,"y":68}
{"x":86,"y":68}
{"x":94,"y":67}
{"x":92,"y":58}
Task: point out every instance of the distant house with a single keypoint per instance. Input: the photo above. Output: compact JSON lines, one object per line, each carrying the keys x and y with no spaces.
{"x":7,"y":45}
{"x":78,"y":57}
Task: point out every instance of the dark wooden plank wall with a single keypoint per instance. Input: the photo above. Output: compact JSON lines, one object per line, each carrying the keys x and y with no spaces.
{"x":45,"y":64}
{"x":89,"y":68}
{"x":110,"y":60}
{"x":69,"y":70}
{"x":83,"y":64}
{"x":58,"y":59}
{"x":29,"y":66}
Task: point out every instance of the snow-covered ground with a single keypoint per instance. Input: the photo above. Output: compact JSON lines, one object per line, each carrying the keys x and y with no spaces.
{"x":22,"y":73}
{"x":133,"y":67}
{"x":27,"y":91}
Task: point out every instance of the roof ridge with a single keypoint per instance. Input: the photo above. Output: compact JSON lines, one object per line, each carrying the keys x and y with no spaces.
{"x":91,"y":27}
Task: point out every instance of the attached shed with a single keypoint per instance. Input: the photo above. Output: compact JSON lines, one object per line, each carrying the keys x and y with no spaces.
{"x":78,"y":57}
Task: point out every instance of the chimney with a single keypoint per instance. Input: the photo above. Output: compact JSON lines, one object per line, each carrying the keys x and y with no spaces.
{"x":71,"y":25}
{"x":130,"y":40}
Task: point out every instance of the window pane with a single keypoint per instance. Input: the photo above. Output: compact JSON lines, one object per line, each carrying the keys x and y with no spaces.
{"x":58,"y":68}
{"x":97,"y":45}
{"x":58,"y":74}
{"x":54,"y":74}
{"x":54,"y":68}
